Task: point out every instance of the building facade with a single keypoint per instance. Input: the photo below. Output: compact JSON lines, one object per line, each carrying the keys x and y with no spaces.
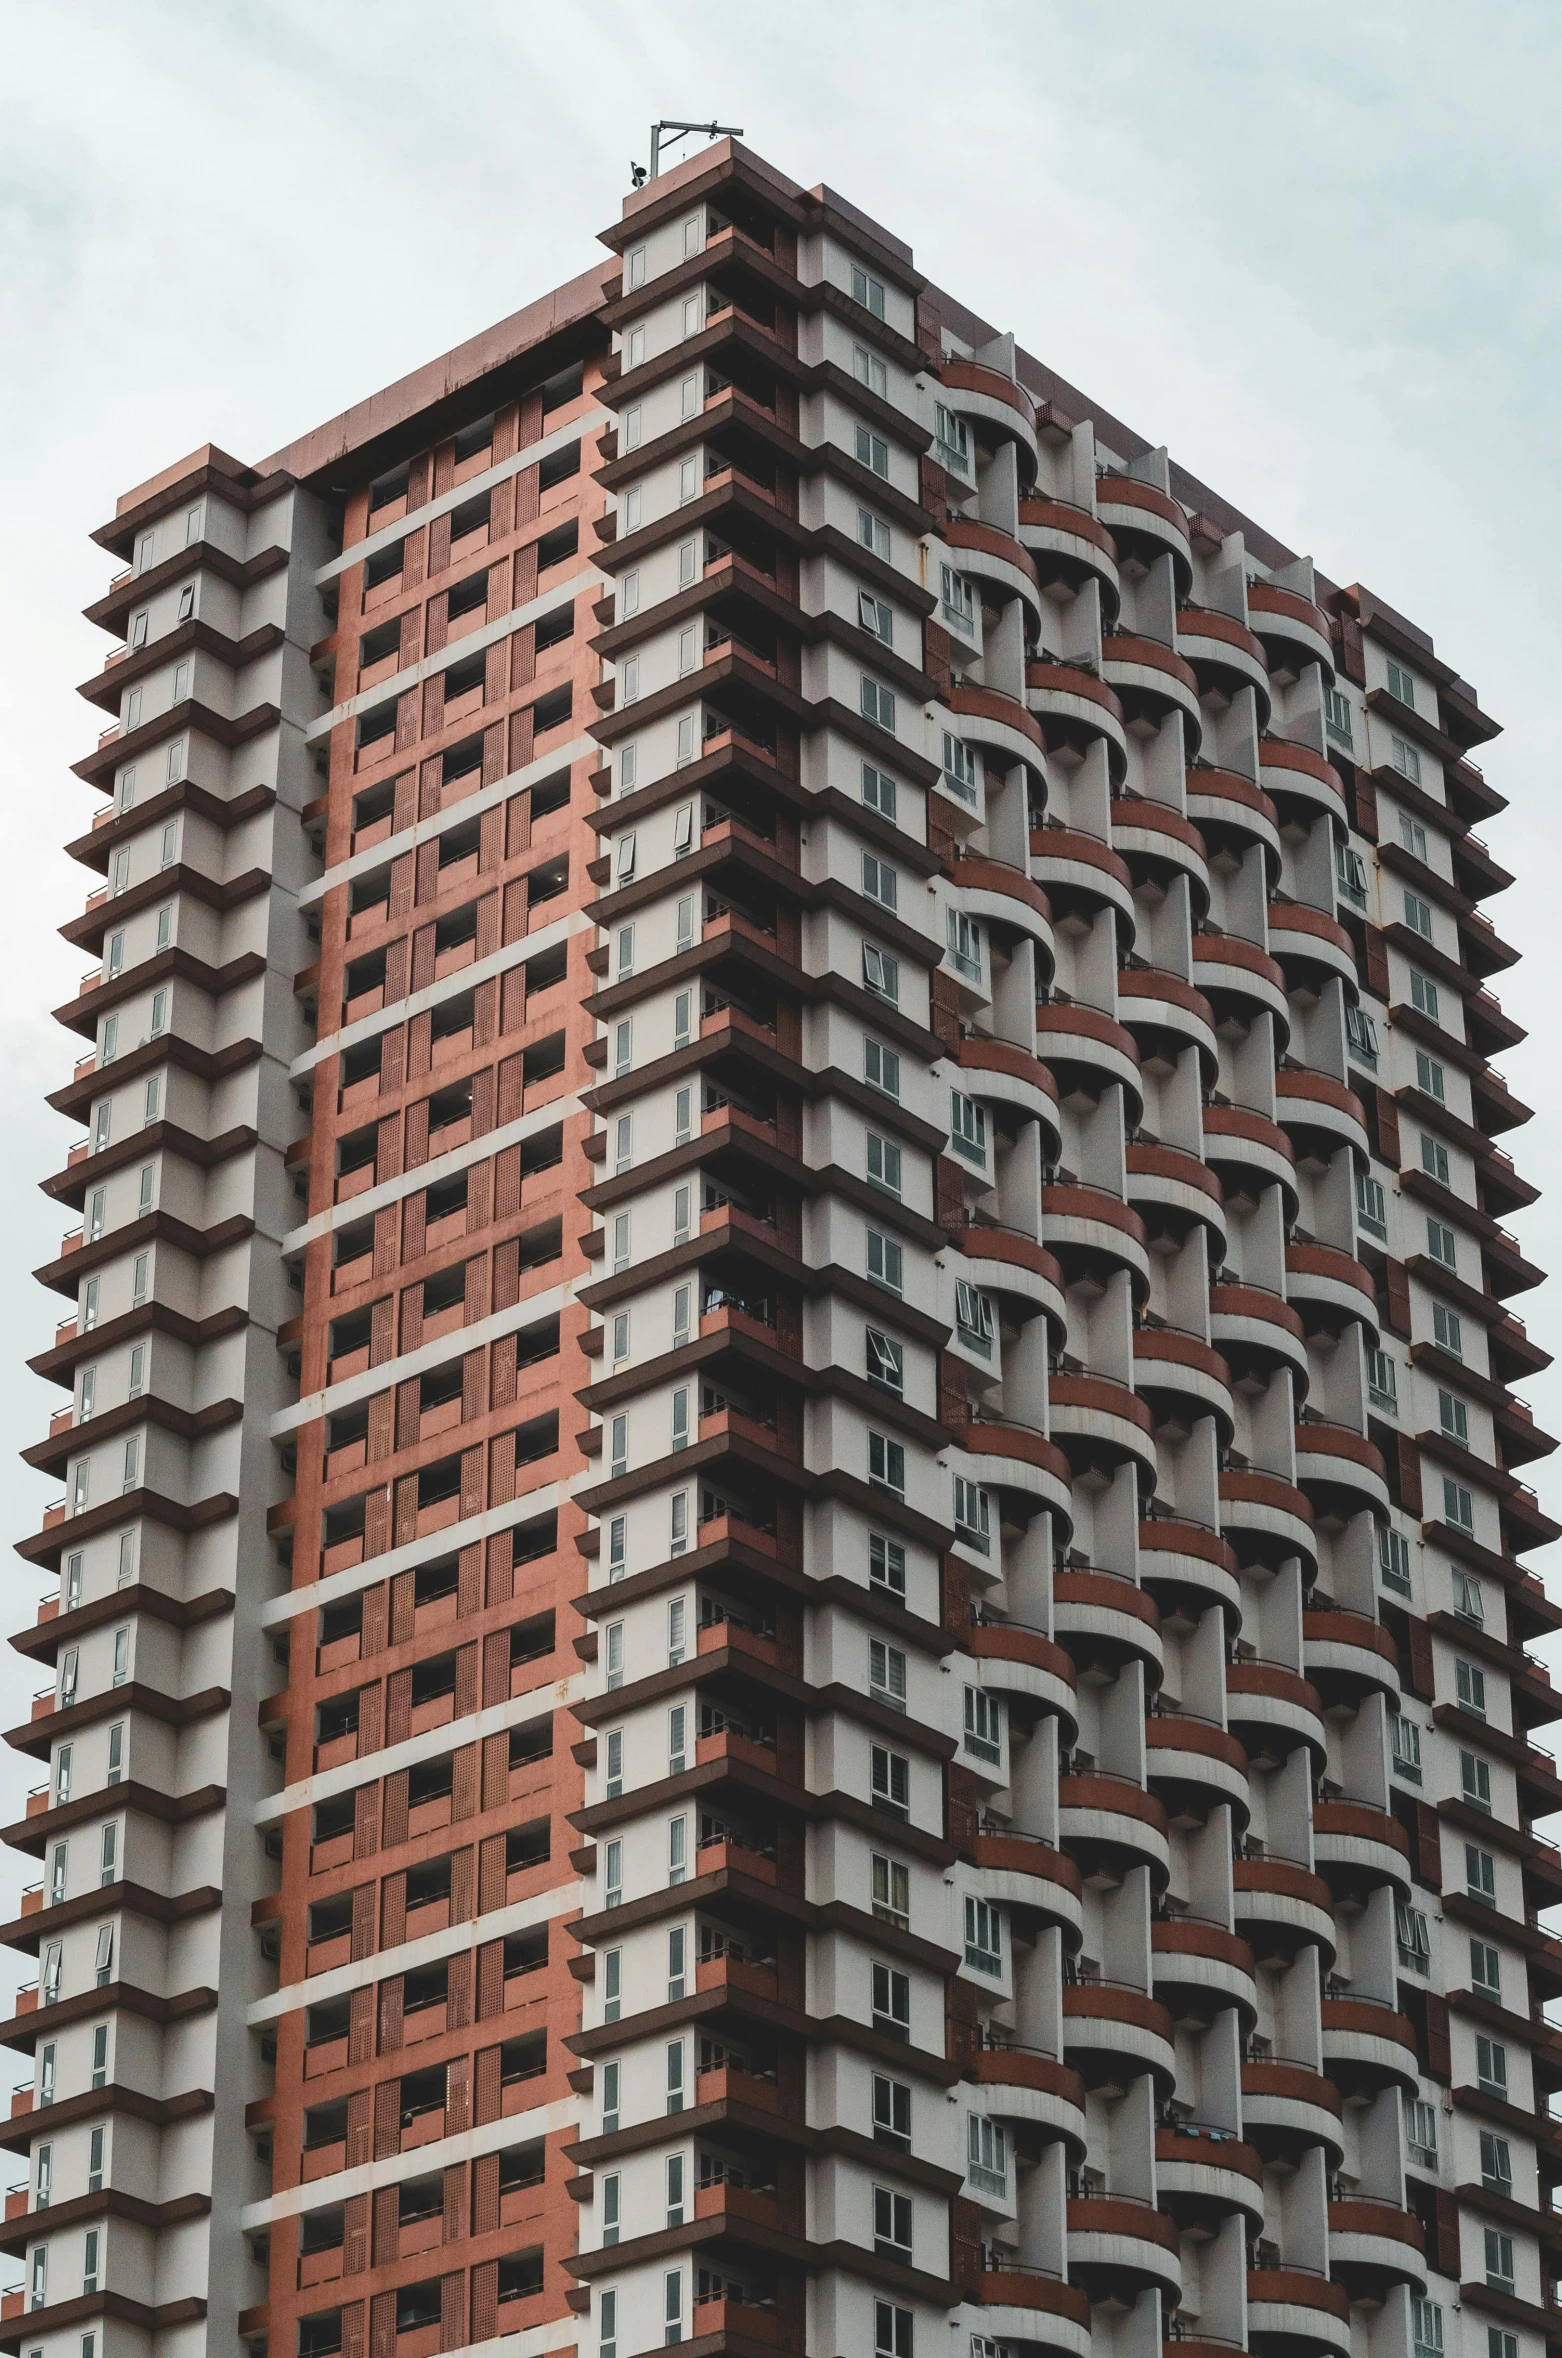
{"x":788,"y":1611}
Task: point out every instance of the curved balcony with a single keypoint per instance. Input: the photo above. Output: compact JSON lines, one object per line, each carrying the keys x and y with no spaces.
{"x":1028,"y":2305}
{"x":1004,"y":896}
{"x":1185,"y":1557}
{"x":1202,"y":2176}
{"x":1015,"y":1457}
{"x":1294,"y":631}
{"x":1253,"y":1327}
{"x":1177,"y":1182}
{"x":1341,"y":1471}
{"x":1287,"y":1907}
{"x":1225,"y":806}
{"x":1004,"y":1261}
{"x":1348,"y":1655}
{"x":1320,"y":1112}
{"x":1374,"y":2245}
{"x":1085,"y":1226}
{"x":1022,"y":1871}
{"x":1194,"y":1964}
{"x":1069,"y":1036}
{"x":1288,"y":2108}
{"x":1290,"y":2312}
{"x":1080,"y":870}
{"x":1308,"y":940}
{"x":1143,"y":522}
{"x":1020,"y":1661}
{"x":1275,"y":1709}
{"x":1101,"y":1617}
{"x":1150,"y":1000}
{"x":1270,"y":1516}
{"x":1357,"y":1848}
{"x":1151,"y":680}
{"x":1116,"y":2246}
{"x":1332,"y":1285}
{"x":1076,"y":710}
{"x":994,"y":401}
{"x":1023,"y":2084}
{"x":1256,"y":1148}
{"x":1094,"y":1418}
{"x":1106,"y":2026}
{"x":1367,"y":2046}
{"x":1225,"y":654}
{"x":1294,"y":773}
{"x":1009,"y":1075}
{"x":998,"y":724}
{"x":1112,"y":1818}
{"x":1227,"y":967}
{"x":1004,"y":566}
{"x":1192,"y":1763}
{"x":1069,"y":545}
{"x":1185,"y":1373}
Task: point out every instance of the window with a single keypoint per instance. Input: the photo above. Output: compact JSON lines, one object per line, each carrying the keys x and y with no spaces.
{"x":891,"y":2331}
{"x":108,"y":1048}
{"x":620,"y":1241}
{"x":626,"y":950}
{"x":1486,"y":1969}
{"x":1371,"y":1209}
{"x":677,"y":1739}
{"x":1336,"y":716}
{"x":45,"y":2177}
{"x":73,"y":1565}
{"x":1458,"y":1506}
{"x":1412,"y":835}
{"x":1498,"y":2343}
{"x":629,"y":587}
{"x":99,"y":2057}
{"x":1361,"y":1032}
{"x":1469,"y":1602}
{"x":677,"y":1630}
{"x":868,"y":291}
{"x":1423,"y":993}
{"x":611,"y":2073}
{"x":610,"y":2208}
{"x":614,"y":1635}
{"x":891,"y":2111}
{"x":1413,"y":1937}
{"x":1401,"y":684}
{"x":680,"y":1417}
{"x":1349,"y":875}
{"x":103,"y":1967}
{"x":683,"y":1216}
{"x":1440,"y":1244}
{"x":958,"y":602}
{"x":1496,"y":2163}
{"x":688,"y":481}
{"x":983,"y":1725}
{"x":1381,"y":1381}
{"x":624,"y":857}
{"x":1431,"y":1076}
{"x":612,"y":1874}
{"x":886,"y":1362}
{"x":688,"y":397}
{"x":62,"y":1774}
{"x":617,"y":1542}
{"x":892,"y":2224}
{"x":891,"y":1892}
{"x":688,"y":563}
{"x":683,"y":1019}
{"x":873,"y":533}
{"x":887,"y":1566}
{"x":965,"y":945}
{"x":675,"y":2075}
{"x":881,"y":973}
{"x":1448,"y":1330}
{"x":1434,"y":1158}
{"x":152,"y":1099}
{"x":959,"y":767}
{"x":619,"y":1447}
{"x":683,"y":1314}
{"x":675,"y":2190}
{"x":1393,"y":1559}
{"x":973,"y":1515}
{"x":108,"y":1854}
{"x":877,"y":703}
{"x":623,"y":1143}
{"x":116,"y":1754}
{"x":672,"y":2306}
{"x":880,"y":882}
{"x":1499,"y":2260}
{"x":628,"y":761}
{"x":878,"y":791}
{"x":952,"y":439}
{"x":677,"y":1849}
{"x":1418,"y":916}
{"x":679,"y":1534}
{"x":886,"y":1674}
{"x":121,"y":1656}
{"x":875,"y":617}
{"x":38,"y":2281}
{"x":1454,"y":1417}
{"x":983,"y":1936}
{"x":872,"y":451}
{"x":1475,"y":1781}
{"x":891,"y":2002}
{"x":987,"y":2155}
{"x":683,"y":1117}
{"x":974,"y":1319}
{"x":1421,"y":2131}
{"x":889,"y":1780}
{"x":1405,"y":759}
{"x":612,"y":1984}
{"x":1480,"y":1875}
{"x":883,"y":1166}
{"x":967,"y":1127}
{"x":686,"y":654}
{"x":675,"y":1962}
{"x":881,"y":1067}
{"x":614,"y":1746}
{"x":886,"y":1464}
{"x":683,"y":839}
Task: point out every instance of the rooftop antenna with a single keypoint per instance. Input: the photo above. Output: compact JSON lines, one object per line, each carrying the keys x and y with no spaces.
{"x":677,"y":131}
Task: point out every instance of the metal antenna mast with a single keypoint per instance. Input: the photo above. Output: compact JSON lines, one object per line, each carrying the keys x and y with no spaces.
{"x":681,"y":131}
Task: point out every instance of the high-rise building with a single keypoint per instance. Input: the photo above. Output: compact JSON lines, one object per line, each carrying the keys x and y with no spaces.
{"x":789,"y":1607}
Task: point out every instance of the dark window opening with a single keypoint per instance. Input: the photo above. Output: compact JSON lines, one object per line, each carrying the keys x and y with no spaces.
{"x":455,"y":929}
{"x":334,"y":1817}
{"x":419,"y":2305}
{"x":350,"y":1244}
{"x":449,"y":1196}
{"x":527,"y":1846}
{"x":525,"y":1952}
{"x":369,"y":892}
{"x":374,"y":804}
{"x":341,"y":1620}
{"x":472,"y":516}
{"x":449,"y":1105}
{"x":460,"y":680}
{"x":444,"y":1289}
{"x":566,"y":386}
{"x":327,"y":2022}
{"x":350,"y":1333}
{"x":344,"y":1521}
{"x":361,"y":1062}
{"x":521,"y":2165}
{"x":337,"y":1716}
{"x":460,"y":843}
{"x":390,"y":486}
{"x":531,"y":1540}
{"x":325,"y":2124}
{"x":436,"y":1676}
{"x":479,"y":435}
{"x":523,"y":2059}
{"x":543,"y":1059}
{"x":323,"y":2231}
{"x":421,"y":2092}
{"x":431,"y":1780}
{"x":558,"y":466}
{"x":434,"y":1389}
{"x":420,"y":2198}
{"x":547,"y":882}
{"x":425,"y":1986}
{"x":346,"y":1425}
{"x":532,"y":1742}
{"x":536,"y":1343}
{"x":557,"y":546}
{"x":552,"y":712}
{"x":461,"y":761}
{"x":330,"y":1919}
{"x":466,"y":597}
{"x":530,"y":1640}
{"x":551,"y":795}
{"x":384,"y":565}
{"x":428,"y":1881}
{"x":375,"y":645}
{"x":546,"y":972}
{"x":538,"y":1438}
{"x":439,"y":1481}
{"x":520,"y":2275}
{"x":375,"y":726}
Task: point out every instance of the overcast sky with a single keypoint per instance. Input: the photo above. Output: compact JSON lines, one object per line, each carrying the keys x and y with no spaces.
{"x":1315,"y":254}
